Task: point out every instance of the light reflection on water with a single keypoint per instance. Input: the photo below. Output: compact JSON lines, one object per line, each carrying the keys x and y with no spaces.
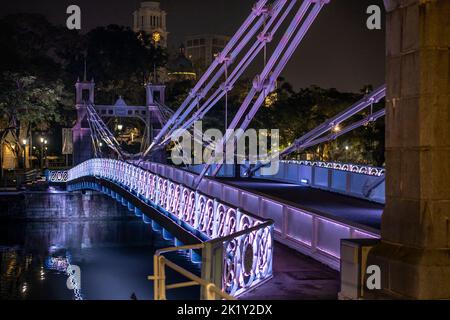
{"x":115,"y":258}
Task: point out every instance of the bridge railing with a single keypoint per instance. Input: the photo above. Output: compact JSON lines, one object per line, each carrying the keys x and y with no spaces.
{"x":242,"y":242}
{"x":361,"y":181}
{"x":160,"y":287}
{"x":349,"y":179}
{"x":234,"y":263}
{"x":312,"y":233}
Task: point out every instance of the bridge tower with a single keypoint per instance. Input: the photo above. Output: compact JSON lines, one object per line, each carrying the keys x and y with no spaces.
{"x":155,"y":97}
{"x":415,"y":229}
{"x":81,"y":133}
{"x":151,"y":114}
{"x":155,"y":94}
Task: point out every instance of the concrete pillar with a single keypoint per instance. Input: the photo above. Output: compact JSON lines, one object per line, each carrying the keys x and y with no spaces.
{"x":414,"y":254}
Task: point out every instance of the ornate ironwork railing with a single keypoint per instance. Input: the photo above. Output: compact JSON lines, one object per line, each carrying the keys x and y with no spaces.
{"x":246,"y":252}
{"x":313,"y":233}
{"x":362,"y":169}
{"x":57,"y":176}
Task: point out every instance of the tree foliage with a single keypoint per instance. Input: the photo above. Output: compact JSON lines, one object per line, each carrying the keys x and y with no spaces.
{"x":26,"y":105}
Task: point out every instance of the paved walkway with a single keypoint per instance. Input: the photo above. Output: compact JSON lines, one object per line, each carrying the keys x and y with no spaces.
{"x":323,"y":202}
{"x":297,"y":277}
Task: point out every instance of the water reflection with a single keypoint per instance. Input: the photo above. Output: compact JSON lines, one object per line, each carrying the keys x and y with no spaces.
{"x":115,"y":257}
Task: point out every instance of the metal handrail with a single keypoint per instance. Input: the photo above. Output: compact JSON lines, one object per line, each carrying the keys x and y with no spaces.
{"x":160,"y":262}
{"x":159,"y":277}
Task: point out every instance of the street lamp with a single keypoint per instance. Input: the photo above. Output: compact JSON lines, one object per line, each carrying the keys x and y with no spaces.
{"x":120,"y":127}
{"x":336,"y":128}
{"x":43,"y":141}
{"x":346,"y":153}
{"x":45,"y":153}
{"x":24,"y":143}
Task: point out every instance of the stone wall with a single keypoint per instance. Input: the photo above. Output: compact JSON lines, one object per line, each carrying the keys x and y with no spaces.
{"x":60,"y":206}
{"x":415,"y":248}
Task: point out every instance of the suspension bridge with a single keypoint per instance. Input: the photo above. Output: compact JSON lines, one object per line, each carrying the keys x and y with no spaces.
{"x":229,"y":217}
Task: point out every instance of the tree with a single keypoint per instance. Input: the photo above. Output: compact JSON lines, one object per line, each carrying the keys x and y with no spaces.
{"x":296,"y":113}
{"x":121,"y":61}
{"x":26,"y":105}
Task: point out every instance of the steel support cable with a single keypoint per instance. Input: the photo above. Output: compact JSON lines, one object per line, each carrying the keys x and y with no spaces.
{"x":260,"y":79}
{"x":373,"y":97}
{"x":94,"y":131}
{"x":99,"y":135}
{"x":245,"y":62}
{"x":230,"y":45}
{"x":260,"y":84}
{"x":93,"y":134}
{"x":373,"y":117}
{"x":104,"y":132}
{"x":102,"y":128}
{"x":313,"y":137}
{"x":279,"y":68}
{"x":224,"y":60}
{"x":240,"y":69}
{"x":225,"y":87}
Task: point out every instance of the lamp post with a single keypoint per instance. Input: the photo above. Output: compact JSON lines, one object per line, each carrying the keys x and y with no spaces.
{"x":119,"y":129}
{"x":45,"y":153}
{"x":43,"y":149}
{"x":24,"y":159}
{"x":42,"y":152}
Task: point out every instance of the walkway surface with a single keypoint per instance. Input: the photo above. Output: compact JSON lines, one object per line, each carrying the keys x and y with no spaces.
{"x":297,"y":277}
{"x":319,"y":201}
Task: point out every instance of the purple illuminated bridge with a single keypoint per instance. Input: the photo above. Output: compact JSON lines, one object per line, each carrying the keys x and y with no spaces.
{"x":337,"y":206}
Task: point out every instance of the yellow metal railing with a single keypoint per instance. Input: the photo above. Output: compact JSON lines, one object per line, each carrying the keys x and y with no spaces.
{"x":159,"y":278}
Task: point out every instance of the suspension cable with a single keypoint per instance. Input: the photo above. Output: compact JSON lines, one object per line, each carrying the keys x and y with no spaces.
{"x":264,"y":83}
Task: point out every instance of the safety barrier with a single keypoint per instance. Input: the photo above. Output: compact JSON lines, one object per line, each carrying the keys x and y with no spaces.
{"x":234,"y":250}
{"x":246,"y":252}
{"x":311,"y":233}
{"x":359,"y":181}
{"x":209,"y":289}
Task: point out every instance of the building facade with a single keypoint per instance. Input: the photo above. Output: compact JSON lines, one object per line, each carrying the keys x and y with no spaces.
{"x":202,"y":49}
{"x":151,"y":19}
{"x":180,"y":68}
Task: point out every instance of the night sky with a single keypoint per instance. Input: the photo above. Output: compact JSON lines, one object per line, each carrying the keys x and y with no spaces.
{"x":339,"y":51}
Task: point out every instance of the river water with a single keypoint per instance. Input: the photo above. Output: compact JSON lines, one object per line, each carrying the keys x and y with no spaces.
{"x":114,"y":257}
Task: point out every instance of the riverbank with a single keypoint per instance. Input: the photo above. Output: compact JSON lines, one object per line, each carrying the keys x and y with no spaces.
{"x":53,"y":204}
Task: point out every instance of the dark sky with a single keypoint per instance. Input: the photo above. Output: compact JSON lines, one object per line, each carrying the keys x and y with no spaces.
{"x":339,"y":51}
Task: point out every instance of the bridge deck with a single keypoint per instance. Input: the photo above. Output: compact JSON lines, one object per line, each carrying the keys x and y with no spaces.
{"x":297,"y":277}
{"x":359,"y":211}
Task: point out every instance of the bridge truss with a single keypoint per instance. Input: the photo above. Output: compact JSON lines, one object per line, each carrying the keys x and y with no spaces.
{"x":262,"y":26}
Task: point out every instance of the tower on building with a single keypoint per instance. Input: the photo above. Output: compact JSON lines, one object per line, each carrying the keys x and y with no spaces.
{"x":202,"y":49}
{"x":151,"y":19}
{"x":181,"y":68}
